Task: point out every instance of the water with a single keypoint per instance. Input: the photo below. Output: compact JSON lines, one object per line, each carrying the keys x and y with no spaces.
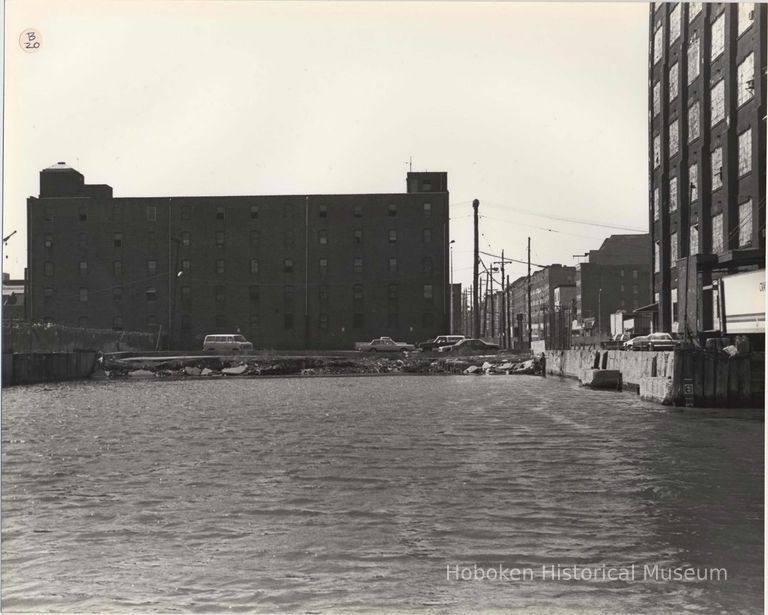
{"x":330,"y":494}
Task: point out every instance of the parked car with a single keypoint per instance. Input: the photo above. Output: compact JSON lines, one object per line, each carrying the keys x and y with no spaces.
{"x":470,"y":346}
{"x":636,"y":343}
{"x":662,"y":341}
{"x":439,"y":341}
{"x":233,"y":343}
{"x":384,"y":344}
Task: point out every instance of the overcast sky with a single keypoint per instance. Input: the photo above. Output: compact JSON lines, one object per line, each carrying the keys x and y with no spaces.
{"x":540,"y":107}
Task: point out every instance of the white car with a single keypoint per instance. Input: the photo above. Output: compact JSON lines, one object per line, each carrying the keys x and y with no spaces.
{"x":233,"y":343}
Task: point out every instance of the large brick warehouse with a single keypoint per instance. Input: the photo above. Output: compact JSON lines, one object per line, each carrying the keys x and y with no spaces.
{"x":297,"y":271}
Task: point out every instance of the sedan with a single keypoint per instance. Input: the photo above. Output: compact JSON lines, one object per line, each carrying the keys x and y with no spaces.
{"x":636,"y":343}
{"x":470,"y":346}
{"x":662,"y":341}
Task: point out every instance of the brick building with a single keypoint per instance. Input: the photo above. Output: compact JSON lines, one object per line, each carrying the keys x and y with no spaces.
{"x":294,"y":271}
{"x":615,"y":277}
{"x":706,"y":96}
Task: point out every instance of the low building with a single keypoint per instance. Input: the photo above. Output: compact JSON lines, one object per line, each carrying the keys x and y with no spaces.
{"x":13,"y":298}
{"x":288,"y":271}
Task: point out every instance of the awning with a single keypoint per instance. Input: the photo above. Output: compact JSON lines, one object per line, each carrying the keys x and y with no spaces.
{"x":652,"y":307}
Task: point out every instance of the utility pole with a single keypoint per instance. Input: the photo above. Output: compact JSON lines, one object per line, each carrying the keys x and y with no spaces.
{"x":529,"y":293}
{"x":475,"y":275}
{"x":508,"y":330}
{"x":493,"y":307}
{"x":503,"y":305}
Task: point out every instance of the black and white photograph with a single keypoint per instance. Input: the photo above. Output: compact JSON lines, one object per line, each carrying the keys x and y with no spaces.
{"x":422,"y":307}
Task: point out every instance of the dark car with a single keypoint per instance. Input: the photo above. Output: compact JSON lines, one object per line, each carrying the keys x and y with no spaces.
{"x":471,"y":346}
{"x":661,"y":341}
{"x":439,"y":342}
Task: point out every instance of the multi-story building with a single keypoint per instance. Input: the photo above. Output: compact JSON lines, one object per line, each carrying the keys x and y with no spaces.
{"x":614,"y":277}
{"x":706,"y":96}
{"x":297,"y":271}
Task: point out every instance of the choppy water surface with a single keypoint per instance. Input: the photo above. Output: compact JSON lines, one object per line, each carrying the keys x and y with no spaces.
{"x":331,"y":494}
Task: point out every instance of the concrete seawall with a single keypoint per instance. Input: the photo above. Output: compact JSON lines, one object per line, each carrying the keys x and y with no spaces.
{"x":634,"y":366}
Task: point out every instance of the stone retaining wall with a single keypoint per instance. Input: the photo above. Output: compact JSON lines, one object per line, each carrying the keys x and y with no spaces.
{"x":634,"y":366}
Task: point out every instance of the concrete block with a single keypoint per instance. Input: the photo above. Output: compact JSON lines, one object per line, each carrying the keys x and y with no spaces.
{"x":657,"y":389}
{"x":601,"y":378}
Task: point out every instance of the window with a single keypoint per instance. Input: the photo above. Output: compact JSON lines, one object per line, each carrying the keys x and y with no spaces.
{"x":48,"y":294}
{"x":718,"y":102}
{"x":392,"y":292}
{"x":186,"y":213}
{"x":117,"y":294}
{"x":151,"y":268}
{"x":186,"y":294}
{"x":746,"y":16}
{"x":357,"y":212}
{"x":254,"y":266}
{"x":426,"y":235}
{"x":253,"y":293}
{"x":657,"y":44}
{"x":745,"y":152}
{"x":426,"y":265}
{"x":117,"y":323}
{"x":323,"y":321}
{"x":219,"y":239}
{"x":674,"y":24}
{"x":152,"y":240}
{"x":718,"y":36}
{"x":694,"y":8}
{"x":83,"y":295}
{"x":673,"y":193}
{"x":357,"y":321}
{"x":186,"y":266}
{"x":673,"y":81}
{"x":634,"y":274}
{"x":745,"y":79}
{"x":357,"y":265}
{"x":673,"y":250}
{"x":693,"y":248}
{"x":635,"y":289}
{"x":254,"y":238}
{"x":656,"y":98}
{"x":427,"y":210}
{"x":254,"y":212}
{"x":656,"y":258}
{"x":186,"y":239}
{"x":49,"y":214}
{"x":357,"y":292}
{"x":117,"y":240}
{"x":426,"y":185}
{"x":82,"y":240}
{"x":219,"y":294}
{"x":694,"y":125}
{"x":392,"y":236}
{"x":151,"y":213}
{"x":322,"y":211}
{"x":428,"y":292}
{"x":219,"y":212}
{"x":656,"y":203}
{"x":117,"y":268}
{"x":427,"y":319}
{"x":322,"y":293}
{"x":694,"y":58}
{"x":392,"y":264}
{"x":83,"y":268}
{"x":693,"y":178}
{"x":674,"y":143}
{"x":117,"y":212}
{"x":323,"y":265}
{"x":82,"y":214}
{"x":219,"y":266}
{"x":656,"y":151}
{"x":717,"y":234}
{"x":357,"y":236}
{"x":392,"y":209}
{"x":288,"y":265}
{"x":151,"y":294}
{"x":322,"y":237}
{"x":48,"y":241}
{"x":717,"y":168}
{"x":745,"y":224}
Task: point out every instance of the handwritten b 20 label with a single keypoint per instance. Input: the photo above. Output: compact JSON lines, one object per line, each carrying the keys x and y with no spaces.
{"x":30,"y":40}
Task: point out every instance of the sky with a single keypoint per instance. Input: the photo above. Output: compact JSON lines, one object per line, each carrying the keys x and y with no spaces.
{"x":539,"y":110}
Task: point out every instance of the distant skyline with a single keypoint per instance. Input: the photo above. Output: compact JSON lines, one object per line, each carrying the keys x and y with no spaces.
{"x":536,"y":108}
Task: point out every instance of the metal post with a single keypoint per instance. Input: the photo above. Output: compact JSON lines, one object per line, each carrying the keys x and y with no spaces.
{"x":170,"y":280}
{"x":475,"y":277}
{"x":529,"y":294}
